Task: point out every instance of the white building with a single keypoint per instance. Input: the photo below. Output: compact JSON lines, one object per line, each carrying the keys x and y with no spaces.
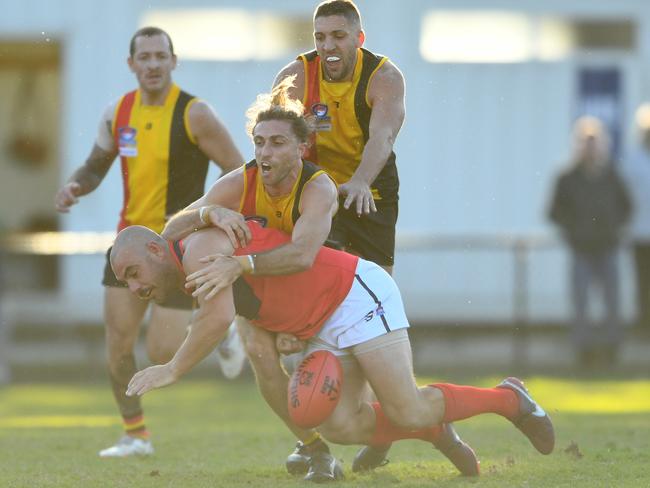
{"x":492,"y":89}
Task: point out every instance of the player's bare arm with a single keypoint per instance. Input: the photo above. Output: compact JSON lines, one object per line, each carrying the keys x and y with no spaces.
{"x":218,"y":208}
{"x":85,"y":179}
{"x":212,"y":137}
{"x":386,"y":96}
{"x":295,"y":68}
{"x":208,"y":327}
{"x":318,"y":206}
{"x":88,"y":176}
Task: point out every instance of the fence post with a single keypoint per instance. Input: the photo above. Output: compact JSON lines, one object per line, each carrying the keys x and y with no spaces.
{"x":520,"y":307}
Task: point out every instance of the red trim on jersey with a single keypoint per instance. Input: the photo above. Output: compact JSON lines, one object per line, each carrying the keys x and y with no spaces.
{"x":313,"y":96}
{"x":178,"y":259}
{"x":122,"y":120}
{"x":250,"y":192}
{"x":299,"y":303}
{"x":177,"y":250}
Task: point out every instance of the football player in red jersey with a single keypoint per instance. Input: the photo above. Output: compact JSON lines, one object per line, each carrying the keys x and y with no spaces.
{"x":343,"y":304}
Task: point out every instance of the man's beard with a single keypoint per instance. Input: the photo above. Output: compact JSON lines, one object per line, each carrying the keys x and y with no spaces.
{"x":171,"y":286}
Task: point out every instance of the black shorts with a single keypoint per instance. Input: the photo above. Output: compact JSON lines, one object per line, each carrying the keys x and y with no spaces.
{"x":370,"y":236}
{"x":177,"y":300}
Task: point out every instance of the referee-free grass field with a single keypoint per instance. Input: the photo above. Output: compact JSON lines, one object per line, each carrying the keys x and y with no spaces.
{"x":220,"y":434}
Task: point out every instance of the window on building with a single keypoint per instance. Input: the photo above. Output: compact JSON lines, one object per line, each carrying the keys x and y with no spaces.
{"x":511,"y":37}
{"x":231,"y":34}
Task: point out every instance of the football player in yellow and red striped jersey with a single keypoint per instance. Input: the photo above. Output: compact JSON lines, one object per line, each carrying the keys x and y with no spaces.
{"x":164,"y":138}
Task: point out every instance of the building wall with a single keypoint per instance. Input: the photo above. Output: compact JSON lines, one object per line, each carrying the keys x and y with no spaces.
{"x":477,"y":153}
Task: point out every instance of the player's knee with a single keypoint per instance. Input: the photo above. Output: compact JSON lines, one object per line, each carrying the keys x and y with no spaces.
{"x":407,"y":416}
{"x":121,"y":365}
{"x":268,"y":372}
{"x":270,"y":378}
{"x":260,"y":352}
{"x":117,"y":348}
{"x":160,"y":353}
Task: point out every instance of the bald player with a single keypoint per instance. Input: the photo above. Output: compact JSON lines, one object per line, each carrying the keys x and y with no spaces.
{"x":343,"y":304}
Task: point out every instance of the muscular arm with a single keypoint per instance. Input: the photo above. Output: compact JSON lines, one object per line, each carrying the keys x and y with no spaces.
{"x":386,"y":95}
{"x":318,"y":206}
{"x":85,"y":179}
{"x":209,"y":323}
{"x":91,"y":174}
{"x":88,"y":177}
{"x":225,"y":193}
{"x":212,"y":137}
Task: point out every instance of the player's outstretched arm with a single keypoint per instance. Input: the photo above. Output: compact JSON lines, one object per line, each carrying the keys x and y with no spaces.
{"x":212,"y":137}
{"x":88,"y":176}
{"x":208,"y":327}
{"x":85,"y":179}
{"x":386,"y":94}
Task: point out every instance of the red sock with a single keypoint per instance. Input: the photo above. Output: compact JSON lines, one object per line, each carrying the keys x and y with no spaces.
{"x":387,"y":432}
{"x":462,"y":402}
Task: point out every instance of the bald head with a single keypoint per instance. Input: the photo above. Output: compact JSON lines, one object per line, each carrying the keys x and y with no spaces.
{"x":140,"y":258}
{"x":134,"y":239}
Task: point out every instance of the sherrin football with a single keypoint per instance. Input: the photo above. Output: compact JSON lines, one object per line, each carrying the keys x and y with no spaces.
{"x":314,"y":389}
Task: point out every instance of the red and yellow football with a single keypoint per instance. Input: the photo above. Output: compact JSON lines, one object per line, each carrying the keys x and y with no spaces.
{"x":314,"y":389}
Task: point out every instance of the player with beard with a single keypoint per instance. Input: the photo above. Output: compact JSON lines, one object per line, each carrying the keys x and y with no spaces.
{"x":342,"y":304}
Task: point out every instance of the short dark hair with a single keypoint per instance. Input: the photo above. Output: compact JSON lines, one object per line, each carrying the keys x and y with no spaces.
{"x":346,"y":8}
{"x":149,"y":32}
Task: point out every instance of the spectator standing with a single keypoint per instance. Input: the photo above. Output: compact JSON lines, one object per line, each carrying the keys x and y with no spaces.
{"x":590,"y":205}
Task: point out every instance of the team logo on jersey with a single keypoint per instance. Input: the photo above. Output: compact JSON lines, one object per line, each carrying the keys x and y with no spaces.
{"x":323,"y":122}
{"x":127,"y":143}
{"x":319,"y":110}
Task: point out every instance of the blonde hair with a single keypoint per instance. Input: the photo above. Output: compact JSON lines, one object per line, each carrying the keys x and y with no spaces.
{"x":278,"y":105}
{"x":590,"y":128}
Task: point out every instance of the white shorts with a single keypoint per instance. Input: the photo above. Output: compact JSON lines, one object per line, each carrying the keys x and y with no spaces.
{"x":373,"y":307}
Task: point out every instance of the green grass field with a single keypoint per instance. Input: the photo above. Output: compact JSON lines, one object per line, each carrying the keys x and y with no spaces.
{"x":220,"y":434}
